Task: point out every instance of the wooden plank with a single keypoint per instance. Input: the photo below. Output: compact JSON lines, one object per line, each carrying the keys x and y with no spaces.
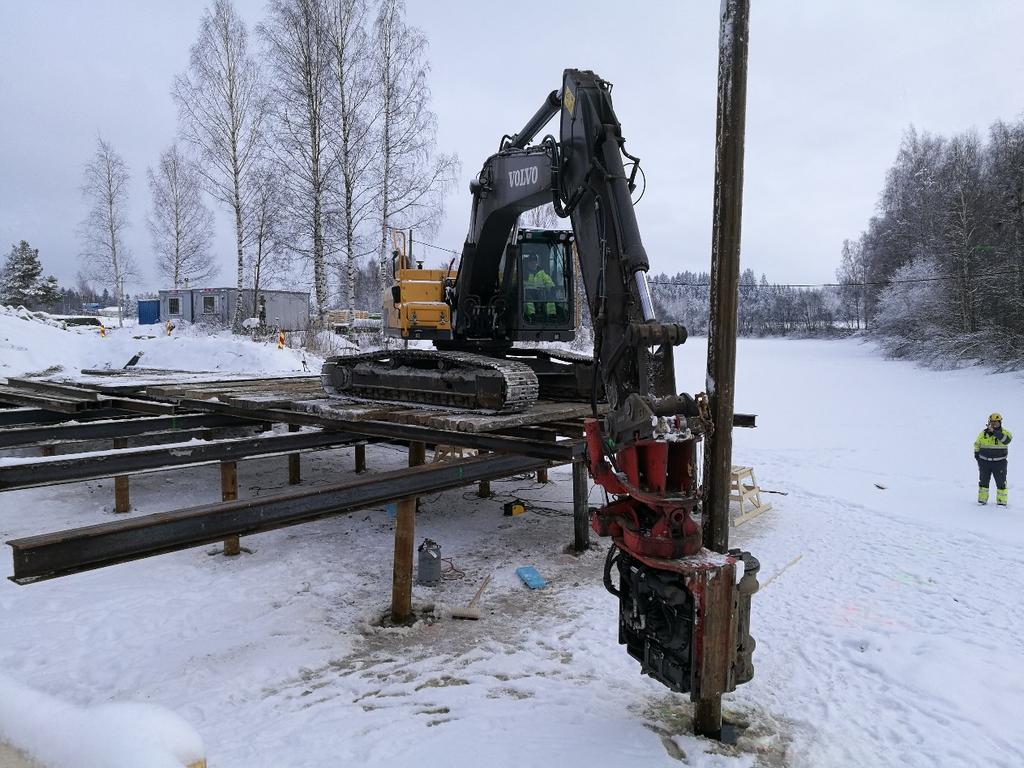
{"x":452,"y":420}
{"x":341,"y":409}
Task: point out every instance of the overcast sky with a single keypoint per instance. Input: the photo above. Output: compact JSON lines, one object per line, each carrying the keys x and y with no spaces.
{"x":832,"y":86}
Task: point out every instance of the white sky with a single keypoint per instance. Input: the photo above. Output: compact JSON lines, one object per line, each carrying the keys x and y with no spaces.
{"x":831,"y":88}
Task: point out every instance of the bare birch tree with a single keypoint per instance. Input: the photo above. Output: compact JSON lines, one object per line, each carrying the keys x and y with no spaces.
{"x":264,"y":233}
{"x":106,"y":257}
{"x":352,"y":88}
{"x":299,"y":58}
{"x":221,"y":115}
{"x":180,"y":223}
{"x":412,"y":178}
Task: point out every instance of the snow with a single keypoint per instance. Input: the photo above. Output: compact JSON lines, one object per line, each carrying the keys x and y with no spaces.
{"x":30,"y":344}
{"x":886,"y":626}
{"x":115,"y":735}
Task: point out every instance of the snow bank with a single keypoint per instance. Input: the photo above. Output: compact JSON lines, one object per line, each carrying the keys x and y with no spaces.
{"x":61,"y":735}
{"x":33,"y":343}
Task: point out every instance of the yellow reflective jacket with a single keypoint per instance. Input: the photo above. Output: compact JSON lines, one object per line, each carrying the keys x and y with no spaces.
{"x":989,"y":447}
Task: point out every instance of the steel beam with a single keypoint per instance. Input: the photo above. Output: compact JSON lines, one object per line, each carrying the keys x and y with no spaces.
{"x":27,"y":415}
{"x":36,"y":472}
{"x":95,"y":430}
{"x":564,"y":451}
{"x":62,"y":553}
{"x":48,"y":402}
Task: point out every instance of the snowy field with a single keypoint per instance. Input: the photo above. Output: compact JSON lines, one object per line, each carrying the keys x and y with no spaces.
{"x":887,"y":623}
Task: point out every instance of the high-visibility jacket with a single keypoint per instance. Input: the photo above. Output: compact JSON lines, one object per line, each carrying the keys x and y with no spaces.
{"x":992,"y":447}
{"x":539,"y":279}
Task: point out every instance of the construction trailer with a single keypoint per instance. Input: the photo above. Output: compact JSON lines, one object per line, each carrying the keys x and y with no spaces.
{"x":287,"y":310}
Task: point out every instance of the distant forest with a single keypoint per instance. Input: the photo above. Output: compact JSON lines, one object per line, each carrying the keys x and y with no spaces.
{"x":937,"y":275}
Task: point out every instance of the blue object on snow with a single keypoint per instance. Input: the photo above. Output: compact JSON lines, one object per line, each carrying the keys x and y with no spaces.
{"x":392,"y":509}
{"x":530,"y":577}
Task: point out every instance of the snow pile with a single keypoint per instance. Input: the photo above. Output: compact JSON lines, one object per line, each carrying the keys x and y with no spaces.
{"x":117,"y":735}
{"x":34,"y":343}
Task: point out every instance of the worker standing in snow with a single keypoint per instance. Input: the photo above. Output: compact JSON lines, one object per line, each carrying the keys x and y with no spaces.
{"x":990,"y":451}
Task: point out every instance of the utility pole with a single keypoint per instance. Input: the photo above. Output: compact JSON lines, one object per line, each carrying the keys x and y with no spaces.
{"x":725,"y":275}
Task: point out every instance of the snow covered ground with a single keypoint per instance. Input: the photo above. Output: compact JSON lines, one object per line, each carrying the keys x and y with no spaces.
{"x":886,"y":624}
{"x":31,"y":345}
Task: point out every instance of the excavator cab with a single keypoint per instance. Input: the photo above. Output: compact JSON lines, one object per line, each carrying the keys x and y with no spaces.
{"x":539,"y":288}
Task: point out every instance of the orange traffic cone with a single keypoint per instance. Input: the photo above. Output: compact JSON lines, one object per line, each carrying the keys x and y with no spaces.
{"x":280,"y":339}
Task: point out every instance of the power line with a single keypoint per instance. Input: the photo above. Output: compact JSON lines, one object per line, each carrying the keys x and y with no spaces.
{"x":437,"y":247}
{"x":869,"y":283}
{"x":841,"y":285}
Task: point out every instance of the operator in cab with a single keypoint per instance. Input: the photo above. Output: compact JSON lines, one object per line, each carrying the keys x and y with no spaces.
{"x":535,"y":278}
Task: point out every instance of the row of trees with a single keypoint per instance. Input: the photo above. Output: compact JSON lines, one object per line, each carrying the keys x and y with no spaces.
{"x":22,"y":283}
{"x":939,"y":271}
{"x":765,"y":309}
{"x":318,"y":138}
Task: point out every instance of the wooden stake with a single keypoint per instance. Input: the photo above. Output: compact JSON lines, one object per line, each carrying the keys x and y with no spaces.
{"x":405,"y":533}
{"x":229,"y":492}
{"x":360,"y":458}
{"x":294,"y":467}
{"x":725,"y":273}
{"x":484,"y":487}
{"x":121,"y":499}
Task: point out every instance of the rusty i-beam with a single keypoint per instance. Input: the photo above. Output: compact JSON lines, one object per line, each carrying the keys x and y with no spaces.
{"x":725,"y":273}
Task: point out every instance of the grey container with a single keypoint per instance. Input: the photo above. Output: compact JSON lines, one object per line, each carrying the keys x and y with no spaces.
{"x":429,"y":571}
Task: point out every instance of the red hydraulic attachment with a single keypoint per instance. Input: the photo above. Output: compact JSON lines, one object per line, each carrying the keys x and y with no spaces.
{"x":684,"y":611}
{"x":655,"y":482}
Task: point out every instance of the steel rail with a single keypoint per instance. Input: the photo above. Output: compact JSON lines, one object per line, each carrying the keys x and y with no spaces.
{"x":62,"y":553}
{"x":51,"y":471}
{"x":94,"y":430}
{"x":564,"y":451}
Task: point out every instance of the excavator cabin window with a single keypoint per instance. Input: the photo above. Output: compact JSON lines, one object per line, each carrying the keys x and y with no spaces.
{"x":545,"y":284}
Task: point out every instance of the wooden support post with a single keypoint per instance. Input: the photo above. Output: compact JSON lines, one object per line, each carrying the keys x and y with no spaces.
{"x":360,"y":458}
{"x":294,"y":467}
{"x":121,"y":499}
{"x":405,"y":534}
{"x":229,"y":492}
{"x":484,"y":487}
{"x":725,"y":273}
{"x":580,"y":507}
{"x":417,"y":454}
{"x":542,"y":474}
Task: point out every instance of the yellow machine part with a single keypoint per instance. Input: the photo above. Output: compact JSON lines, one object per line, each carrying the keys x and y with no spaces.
{"x":422,"y":309}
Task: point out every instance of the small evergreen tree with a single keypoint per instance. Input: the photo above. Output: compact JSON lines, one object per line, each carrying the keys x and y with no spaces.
{"x":22,"y":281}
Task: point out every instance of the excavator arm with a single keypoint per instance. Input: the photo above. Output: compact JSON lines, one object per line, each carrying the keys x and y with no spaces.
{"x":684,"y":612}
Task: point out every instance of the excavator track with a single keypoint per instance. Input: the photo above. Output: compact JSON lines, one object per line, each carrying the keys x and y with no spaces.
{"x":429,"y":377}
